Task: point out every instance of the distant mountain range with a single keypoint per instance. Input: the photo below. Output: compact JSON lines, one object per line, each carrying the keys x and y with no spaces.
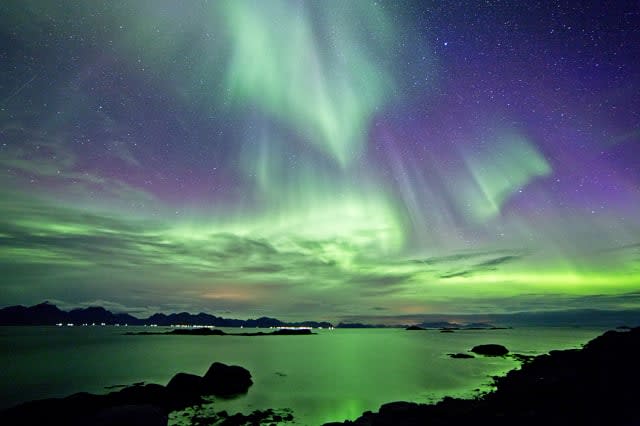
{"x":426,"y":325}
{"x":360,"y":325}
{"x":49,"y":314}
{"x":565,"y":318}
{"x":455,"y":325}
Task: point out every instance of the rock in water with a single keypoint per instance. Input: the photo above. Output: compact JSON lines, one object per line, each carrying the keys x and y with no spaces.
{"x":145,"y":405}
{"x":461,"y":356}
{"x":596,"y":385}
{"x":226,"y":380}
{"x":185,"y":382}
{"x":490,"y":350}
{"x":184,"y":389}
{"x":151,"y":394}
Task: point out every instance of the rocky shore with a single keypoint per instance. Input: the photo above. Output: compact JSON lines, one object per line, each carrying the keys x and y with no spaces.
{"x":144,"y":405}
{"x":595,"y":385}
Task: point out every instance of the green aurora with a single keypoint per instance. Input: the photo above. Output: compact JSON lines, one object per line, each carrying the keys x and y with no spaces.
{"x":257,"y":157}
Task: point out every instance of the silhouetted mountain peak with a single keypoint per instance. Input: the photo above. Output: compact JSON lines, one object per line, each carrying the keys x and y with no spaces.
{"x":47,"y":313}
{"x":46,"y":307}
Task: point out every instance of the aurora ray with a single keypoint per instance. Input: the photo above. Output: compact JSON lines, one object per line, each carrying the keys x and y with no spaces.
{"x":360,"y":158}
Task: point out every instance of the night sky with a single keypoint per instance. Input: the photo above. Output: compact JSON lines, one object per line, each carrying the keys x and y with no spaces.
{"x":320,"y":159}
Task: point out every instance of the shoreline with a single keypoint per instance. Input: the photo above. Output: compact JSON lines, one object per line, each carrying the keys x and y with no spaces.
{"x":594,"y":385}
{"x":414,"y":407}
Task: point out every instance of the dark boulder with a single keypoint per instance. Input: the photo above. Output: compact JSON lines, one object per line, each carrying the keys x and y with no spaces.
{"x":226,"y":380}
{"x":138,"y":404}
{"x":414,"y":328}
{"x":490,"y":349}
{"x":151,"y":394}
{"x":184,"y":389}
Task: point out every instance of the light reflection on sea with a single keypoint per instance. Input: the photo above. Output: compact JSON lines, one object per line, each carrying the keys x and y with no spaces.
{"x":334,"y":375}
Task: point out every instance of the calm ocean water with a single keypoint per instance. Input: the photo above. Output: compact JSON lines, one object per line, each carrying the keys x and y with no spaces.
{"x":334,"y":375}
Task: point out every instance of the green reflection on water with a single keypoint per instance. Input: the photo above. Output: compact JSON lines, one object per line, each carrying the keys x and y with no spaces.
{"x":332,"y":376}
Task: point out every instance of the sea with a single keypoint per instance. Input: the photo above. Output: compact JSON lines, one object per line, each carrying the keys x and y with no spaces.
{"x":334,"y":375}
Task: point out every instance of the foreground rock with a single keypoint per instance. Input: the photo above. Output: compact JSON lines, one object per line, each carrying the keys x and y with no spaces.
{"x":226,"y":380}
{"x":186,"y":389}
{"x":490,"y":350}
{"x":133,"y":405}
{"x":597,"y":385}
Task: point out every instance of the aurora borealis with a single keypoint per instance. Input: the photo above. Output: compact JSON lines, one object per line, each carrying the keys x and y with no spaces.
{"x":320,"y":159}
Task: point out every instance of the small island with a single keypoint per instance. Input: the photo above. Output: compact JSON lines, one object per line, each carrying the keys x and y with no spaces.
{"x":207,"y":331}
{"x":490,"y":349}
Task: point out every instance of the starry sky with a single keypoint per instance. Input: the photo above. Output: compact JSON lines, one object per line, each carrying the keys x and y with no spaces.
{"x":320,"y":159}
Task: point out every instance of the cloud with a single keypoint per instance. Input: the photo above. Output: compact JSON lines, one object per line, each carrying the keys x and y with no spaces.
{"x":456,"y":274}
{"x":437,"y":260}
{"x":497,"y":261}
{"x":51,"y":251}
{"x":630,"y":247}
{"x":485,"y":265}
{"x":45,"y":163}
